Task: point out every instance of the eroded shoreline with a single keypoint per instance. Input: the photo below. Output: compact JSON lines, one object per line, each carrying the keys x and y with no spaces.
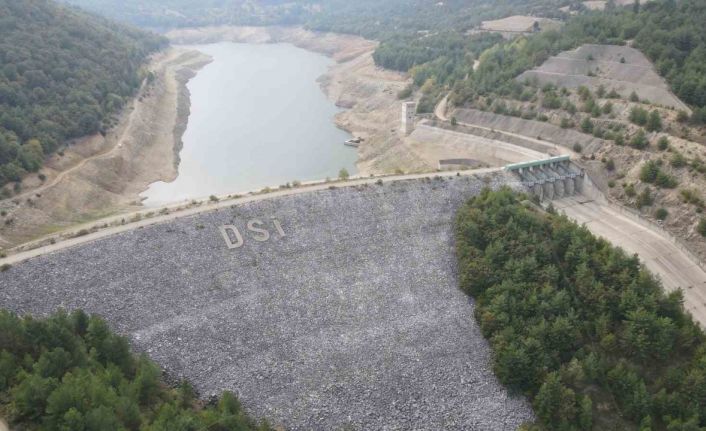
{"x":367,"y":92}
{"x":99,"y":176}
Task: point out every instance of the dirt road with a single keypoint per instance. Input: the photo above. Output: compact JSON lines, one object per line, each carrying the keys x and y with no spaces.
{"x":659,"y":255}
{"x":70,"y":238}
{"x":99,"y":174}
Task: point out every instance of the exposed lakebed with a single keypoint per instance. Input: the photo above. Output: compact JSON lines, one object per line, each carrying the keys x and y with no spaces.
{"x":258,"y":118}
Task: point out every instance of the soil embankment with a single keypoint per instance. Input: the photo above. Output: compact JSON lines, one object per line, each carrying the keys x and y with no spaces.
{"x":98,"y":175}
{"x":368,"y":93}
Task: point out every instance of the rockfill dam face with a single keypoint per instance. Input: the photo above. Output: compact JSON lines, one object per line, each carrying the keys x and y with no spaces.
{"x":323,"y":310}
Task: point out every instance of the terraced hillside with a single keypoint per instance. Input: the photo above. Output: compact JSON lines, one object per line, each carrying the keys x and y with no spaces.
{"x":332,"y":309}
{"x":620,"y":68}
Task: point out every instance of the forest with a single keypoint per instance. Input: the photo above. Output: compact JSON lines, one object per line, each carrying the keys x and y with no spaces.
{"x":431,"y":38}
{"x":577,"y":325}
{"x":669,"y":33}
{"x":70,"y":372}
{"x":63,"y":74}
{"x":369,"y":18}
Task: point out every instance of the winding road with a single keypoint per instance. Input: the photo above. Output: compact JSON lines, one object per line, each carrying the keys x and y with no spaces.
{"x":661,"y":256}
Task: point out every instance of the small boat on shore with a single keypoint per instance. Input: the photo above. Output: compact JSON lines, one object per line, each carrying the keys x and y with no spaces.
{"x":353,"y":142}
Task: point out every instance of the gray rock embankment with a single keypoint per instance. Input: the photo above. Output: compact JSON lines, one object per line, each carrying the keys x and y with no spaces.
{"x":340,"y":310}
{"x":530,"y":128}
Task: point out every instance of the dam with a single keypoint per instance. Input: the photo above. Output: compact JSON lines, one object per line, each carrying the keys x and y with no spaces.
{"x":329,"y":309}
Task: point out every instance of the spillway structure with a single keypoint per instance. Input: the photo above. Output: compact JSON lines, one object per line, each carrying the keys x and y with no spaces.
{"x":552,"y":178}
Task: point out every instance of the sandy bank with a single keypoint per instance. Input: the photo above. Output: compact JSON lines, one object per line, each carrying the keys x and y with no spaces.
{"x":354,"y":82}
{"x":98,"y":175}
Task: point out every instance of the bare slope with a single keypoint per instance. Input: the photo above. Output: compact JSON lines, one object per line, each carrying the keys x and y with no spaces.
{"x":368,"y":92}
{"x":519,"y":24}
{"x":352,"y":318}
{"x":621,"y":68}
{"x":103,"y":174}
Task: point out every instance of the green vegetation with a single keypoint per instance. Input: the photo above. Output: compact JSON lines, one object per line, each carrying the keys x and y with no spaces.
{"x":639,"y":140}
{"x":430,"y":39}
{"x":701,"y":227}
{"x":577,"y":325}
{"x":645,"y":198}
{"x":651,"y":173}
{"x":63,"y":74}
{"x":70,"y":372}
{"x":661,"y":214}
{"x":639,"y":116}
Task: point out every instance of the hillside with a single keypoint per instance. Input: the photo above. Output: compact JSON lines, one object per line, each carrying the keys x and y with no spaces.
{"x":64,"y":74}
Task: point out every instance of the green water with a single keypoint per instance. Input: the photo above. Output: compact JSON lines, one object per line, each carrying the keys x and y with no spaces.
{"x":258,"y":118}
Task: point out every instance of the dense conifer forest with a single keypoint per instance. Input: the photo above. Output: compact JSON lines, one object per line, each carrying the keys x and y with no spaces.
{"x":576,"y":324}
{"x":63,"y":74}
{"x":70,"y":372}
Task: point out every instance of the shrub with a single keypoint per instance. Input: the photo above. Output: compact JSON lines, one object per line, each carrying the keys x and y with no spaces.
{"x":665,"y":181}
{"x":639,"y":141}
{"x":661,"y":214}
{"x":405,"y":92}
{"x":701,"y":227}
{"x":645,"y":198}
{"x":682,"y":116}
{"x":5,"y":267}
{"x":610,"y":165}
{"x":649,"y":171}
{"x":634,"y":97}
{"x":663,"y":143}
{"x":654,"y":122}
{"x":630,"y":190}
{"x":586,"y":125}
{"x":213,"y":198}
{"x":343,"y":174}
{"x":678,"y":160}
{"x":638,"y":116}
{"x":577,"y":147}
{"x":690,"y":196}
{"x":607,"y":108}
{"x":652,"y":174}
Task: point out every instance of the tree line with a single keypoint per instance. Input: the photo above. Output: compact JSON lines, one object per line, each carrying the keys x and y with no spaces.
{"x":576,"y":324}
{"x":63,"y":74}
{"x":70,"y":372}
{"x":669,"y":33}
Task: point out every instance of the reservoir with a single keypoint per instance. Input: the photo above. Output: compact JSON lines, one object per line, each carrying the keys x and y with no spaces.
{"x":258,"y":118}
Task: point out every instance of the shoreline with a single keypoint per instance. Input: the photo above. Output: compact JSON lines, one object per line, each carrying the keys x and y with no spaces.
{"x":96,"y":176}
{"x":108,"y":174}
{"x":366,"y":92}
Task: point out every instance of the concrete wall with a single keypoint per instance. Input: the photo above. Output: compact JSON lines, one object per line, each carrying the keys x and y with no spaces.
{"x":434,"y":144}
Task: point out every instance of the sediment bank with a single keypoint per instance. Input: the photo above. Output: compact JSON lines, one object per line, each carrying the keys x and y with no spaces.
{"x":99,"y":175}
{"x":367,"y":92}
